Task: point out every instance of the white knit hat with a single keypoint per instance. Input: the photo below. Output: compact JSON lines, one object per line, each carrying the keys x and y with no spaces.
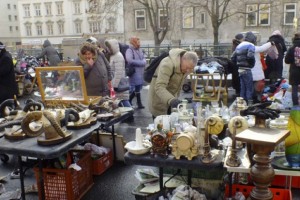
{"x":277,"y":32}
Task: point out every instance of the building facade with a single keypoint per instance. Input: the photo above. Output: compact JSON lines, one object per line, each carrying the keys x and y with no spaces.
{"x":9,"y":20}
{"x":191,"y":23}
{"x":67,"y":22}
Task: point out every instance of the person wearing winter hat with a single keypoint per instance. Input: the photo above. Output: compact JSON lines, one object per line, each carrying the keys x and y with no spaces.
{"x":243,"y":58}
{"x":234,"y":71}
{"x":250,"y":37}
{"x":237,"y":40}
{"x":8,"y":84}
{"x":275,"y":66}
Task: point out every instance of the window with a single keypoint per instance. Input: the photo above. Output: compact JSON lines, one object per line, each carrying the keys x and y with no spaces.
{"x":39,"y":30}
{"x":77,"y":7}
{"x":48,"y":9}
{"x":9,"y":17}
{"x":94,"y":27}
{"x":289,"y":13}
{"x":111,"y":24}
{"x":37,"y":8}
{"x":163,"y":18}
{"x":8,"y":6}
{"x":17,"y":28}
{"x":140,"y":20}
{"x":28,"y":29}
{"x":26,"y":10}
{"x":78,"y":27}
{"x":10,"y":28}
{"x":264,"y":14}
{"x":188,"y":17}
{"x":15,"y":6}
{"x":202,"y":18}
{"x":61,"y":28}
{"x":258,"y":15}
{"x":16,"y":18}
{"x":50,"y":28}
{"x":251,"y":16}
{"x":59,"y":6}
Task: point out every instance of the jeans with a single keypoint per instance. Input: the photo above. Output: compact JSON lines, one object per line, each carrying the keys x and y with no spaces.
{"x":246,"y":82}
{"x":135,"y":88}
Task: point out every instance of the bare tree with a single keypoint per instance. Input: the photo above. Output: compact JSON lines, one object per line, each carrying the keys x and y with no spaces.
{"x":158,"y":15}
{"x":101,"y":11}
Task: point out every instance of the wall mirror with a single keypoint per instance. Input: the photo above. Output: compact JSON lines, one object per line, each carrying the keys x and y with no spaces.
{"x":62,"y":83}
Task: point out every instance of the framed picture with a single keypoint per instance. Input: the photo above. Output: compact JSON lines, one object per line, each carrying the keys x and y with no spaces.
{"x":62,"y":84}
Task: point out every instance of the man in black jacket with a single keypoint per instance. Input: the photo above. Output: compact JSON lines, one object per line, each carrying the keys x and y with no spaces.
{"x":8,"y":84}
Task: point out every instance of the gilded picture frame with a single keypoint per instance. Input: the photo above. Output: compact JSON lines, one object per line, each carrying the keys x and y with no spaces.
{"x":62,"y":84}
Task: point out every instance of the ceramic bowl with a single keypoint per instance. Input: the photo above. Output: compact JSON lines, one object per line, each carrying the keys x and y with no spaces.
{"x":131,"y":147}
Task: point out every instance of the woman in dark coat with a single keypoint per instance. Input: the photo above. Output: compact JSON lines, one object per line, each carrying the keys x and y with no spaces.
{"x":294,"y":76}
{"x":275,"y":67}
{"x":8,"y":84}
{"x":51,"y":54}
{"x":97,"y":71}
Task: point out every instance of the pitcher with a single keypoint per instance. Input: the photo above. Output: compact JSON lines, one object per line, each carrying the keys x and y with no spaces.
{"x":182,"y":107}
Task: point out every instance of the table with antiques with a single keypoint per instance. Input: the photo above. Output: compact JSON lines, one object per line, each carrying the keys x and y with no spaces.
{"x":29,"y":147}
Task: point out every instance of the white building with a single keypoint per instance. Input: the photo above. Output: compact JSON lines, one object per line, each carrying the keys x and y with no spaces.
{"x":61,"y":19}
{"x":9,"y":20}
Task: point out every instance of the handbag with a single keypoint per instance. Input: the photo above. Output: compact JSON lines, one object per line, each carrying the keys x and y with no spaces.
{"x":123,"y":85}
{"x":129,"y":70}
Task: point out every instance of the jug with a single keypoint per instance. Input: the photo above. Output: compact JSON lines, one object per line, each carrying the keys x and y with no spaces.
{"x":182,"y":107}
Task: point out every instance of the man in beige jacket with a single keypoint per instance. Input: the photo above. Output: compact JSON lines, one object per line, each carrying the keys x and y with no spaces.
{"x":168,"y":79}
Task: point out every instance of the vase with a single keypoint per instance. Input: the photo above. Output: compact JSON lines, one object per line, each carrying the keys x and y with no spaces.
{"x":292,"y":142}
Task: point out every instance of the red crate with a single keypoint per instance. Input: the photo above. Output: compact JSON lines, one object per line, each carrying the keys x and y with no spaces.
{"x":101,"y":164}
{"x":281,"y":180}
{"x":278,"y":194}
{"x":67,"y":184}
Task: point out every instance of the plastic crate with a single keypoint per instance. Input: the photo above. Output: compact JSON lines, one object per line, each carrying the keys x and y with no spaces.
{"x":67,"y":184}
{"x":278,"y":194}
{"x":101,"y":164}
{"x":281,"y":181}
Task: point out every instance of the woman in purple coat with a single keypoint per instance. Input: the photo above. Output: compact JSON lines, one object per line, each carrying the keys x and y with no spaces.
{"x":135,"y":58}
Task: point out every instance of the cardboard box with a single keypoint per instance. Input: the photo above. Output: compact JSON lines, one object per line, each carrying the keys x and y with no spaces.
{"x":105,"y":140}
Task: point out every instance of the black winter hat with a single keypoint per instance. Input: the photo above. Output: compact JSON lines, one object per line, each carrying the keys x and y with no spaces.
{"x":239,"y":37}
{"x":250,"y":37}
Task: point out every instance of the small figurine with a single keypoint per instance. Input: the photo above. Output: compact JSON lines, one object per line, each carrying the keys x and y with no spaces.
{"x":160,"y":139}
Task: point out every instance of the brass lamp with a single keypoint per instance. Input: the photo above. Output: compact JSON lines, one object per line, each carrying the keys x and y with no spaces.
{"x":213,"y":125}
{"x":236,"y":125}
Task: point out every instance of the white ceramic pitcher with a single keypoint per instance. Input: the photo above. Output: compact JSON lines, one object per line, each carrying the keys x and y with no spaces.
{"x":182,"y":107}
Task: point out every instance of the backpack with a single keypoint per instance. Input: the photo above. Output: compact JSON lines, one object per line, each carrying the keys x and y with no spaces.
{"x":297,"y":56}
{"x":123,"y":48}
{"x":150,"y":70}
{"x":272,"y":52}
{"x":129,"y":71}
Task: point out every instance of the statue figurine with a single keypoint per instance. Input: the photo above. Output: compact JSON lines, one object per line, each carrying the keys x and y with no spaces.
{"x":160,"y":139}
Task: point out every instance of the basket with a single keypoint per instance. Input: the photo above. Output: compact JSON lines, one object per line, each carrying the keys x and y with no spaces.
{"x":67,"y":184}
{"x":278,"y":194}
{"x":101,"y":164}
